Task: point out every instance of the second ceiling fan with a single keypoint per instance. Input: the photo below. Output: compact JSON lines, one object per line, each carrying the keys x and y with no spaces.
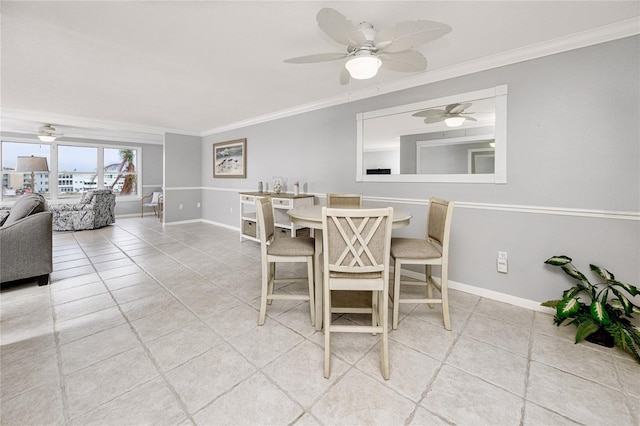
{"x":369,"y":49}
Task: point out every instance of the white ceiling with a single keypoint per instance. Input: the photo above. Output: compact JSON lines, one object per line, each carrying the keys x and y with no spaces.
{"x":198,"y":66}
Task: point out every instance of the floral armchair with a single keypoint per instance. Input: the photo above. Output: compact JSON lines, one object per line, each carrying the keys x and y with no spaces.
{"x":94,"y":210}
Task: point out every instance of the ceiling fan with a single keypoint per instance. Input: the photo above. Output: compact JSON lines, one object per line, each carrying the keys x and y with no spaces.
{"x":369,"y":49}
{"x":47,"y":133}
{"x":453,"y":114}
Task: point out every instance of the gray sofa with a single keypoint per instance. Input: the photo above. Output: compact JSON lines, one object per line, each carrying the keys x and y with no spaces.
{"x":94,"y":210}
{"x":26,"y":248}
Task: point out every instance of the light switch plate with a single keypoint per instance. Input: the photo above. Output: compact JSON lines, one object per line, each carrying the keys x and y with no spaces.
{"x":502,"y":263}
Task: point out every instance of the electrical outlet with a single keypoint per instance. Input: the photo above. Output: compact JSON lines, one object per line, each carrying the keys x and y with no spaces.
{"x":198,"y":205}
{"x":502,"y":263}
{"x":230,"y":209}
{"x":180,"y":206}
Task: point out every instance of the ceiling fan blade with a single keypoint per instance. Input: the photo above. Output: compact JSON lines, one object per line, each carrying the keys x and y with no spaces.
{"x":406,"y":35}
{"x":339,"y":28}
{"x":434,"y":119}
{"x":320,"y":57}
{"x":345,"y":77}
{"x":466,"y":117}
{"x":430,"y":113}
{"x":408,"y":61}
{"x":458,"y":108}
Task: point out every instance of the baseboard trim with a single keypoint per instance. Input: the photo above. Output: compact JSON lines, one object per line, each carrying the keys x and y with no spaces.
{"x":222,"y":225}
{"x":182,"y":222}
{"x":488,"y":294}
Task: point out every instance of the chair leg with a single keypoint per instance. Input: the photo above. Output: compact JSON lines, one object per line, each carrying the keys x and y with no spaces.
{"x":271,"y":281}
{"x":427,"y":274}
{"x":444,"y":290}
{"x":396,"y":293}
{"x":155,"y":212}
{"x":384,"y":318}
{"x":43,"y":279}
{"x":311,"y":290}
{"x":375,"y":298}
{"x":263,"y":298}
{"x":327,"y":333}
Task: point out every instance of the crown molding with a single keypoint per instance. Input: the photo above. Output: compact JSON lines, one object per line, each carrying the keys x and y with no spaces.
{"x":15,"y":120}
{"x":603,"y":34}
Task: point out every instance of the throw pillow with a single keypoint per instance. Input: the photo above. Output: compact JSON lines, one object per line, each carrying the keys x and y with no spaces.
{"x":26,"y":205}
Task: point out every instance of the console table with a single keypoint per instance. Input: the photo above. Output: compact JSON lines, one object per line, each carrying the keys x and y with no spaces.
{"x":281,"y":204}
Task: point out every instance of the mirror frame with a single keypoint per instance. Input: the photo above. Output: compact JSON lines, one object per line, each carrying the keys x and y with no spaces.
{"x":498,"y":177}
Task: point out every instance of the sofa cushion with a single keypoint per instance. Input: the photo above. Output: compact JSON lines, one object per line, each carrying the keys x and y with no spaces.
{"x":26,"y":205}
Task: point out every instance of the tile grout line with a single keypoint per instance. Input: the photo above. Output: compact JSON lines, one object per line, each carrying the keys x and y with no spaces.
{"x":437,"y":372}
{"x":527,"y":370}
{"x":260,"y":369}
{"x":63,"y":382}
{"x":156,"y":364}
{"x":147,"y":351}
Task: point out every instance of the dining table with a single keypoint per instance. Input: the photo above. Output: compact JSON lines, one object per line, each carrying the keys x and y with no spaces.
{"x":310,"y":216}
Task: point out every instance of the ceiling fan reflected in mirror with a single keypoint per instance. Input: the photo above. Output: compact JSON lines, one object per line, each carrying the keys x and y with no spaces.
{"x":453,"y":115}
{"x":369,"y":50}
{"x":47,"y":133}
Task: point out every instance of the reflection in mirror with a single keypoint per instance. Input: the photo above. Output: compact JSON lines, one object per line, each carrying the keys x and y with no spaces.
{"x":460,"y":138}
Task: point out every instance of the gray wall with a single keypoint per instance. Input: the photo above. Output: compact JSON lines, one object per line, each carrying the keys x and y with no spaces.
{"x":573,"y":147}
{"x":182,"y":177}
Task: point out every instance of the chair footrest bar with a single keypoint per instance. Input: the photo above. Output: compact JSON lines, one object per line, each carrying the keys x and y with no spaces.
{"x":338,"y":310}
{"x":418,"y":283}
{"x":290,"y":280}
{"x":356,"y":329}
{"x":420,"y":301}
{"x":288,"y":296}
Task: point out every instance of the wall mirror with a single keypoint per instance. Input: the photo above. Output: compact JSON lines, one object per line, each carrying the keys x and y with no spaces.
{"x":459,"y":138}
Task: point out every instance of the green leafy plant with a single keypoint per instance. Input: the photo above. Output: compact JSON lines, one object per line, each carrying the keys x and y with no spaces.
{"x":606,"y":306}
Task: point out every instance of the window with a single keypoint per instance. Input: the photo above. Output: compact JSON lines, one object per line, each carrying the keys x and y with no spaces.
{"x":15,"y":182}
{"x":120,"y":171}
{"x":79,"y":168}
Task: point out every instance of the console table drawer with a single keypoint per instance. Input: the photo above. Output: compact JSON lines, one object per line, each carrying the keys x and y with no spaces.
{"x":279,"y":203}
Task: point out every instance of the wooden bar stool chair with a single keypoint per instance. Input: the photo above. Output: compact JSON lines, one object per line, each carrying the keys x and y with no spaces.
{"x":434,"y":250}
{"x":344,"y":200}
{"x":273,"y":250}
{"x":356,"y":246}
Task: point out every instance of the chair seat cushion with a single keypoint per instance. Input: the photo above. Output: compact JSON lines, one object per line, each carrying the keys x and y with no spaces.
{"x":299,"y":246}
{"x":413,"y":248}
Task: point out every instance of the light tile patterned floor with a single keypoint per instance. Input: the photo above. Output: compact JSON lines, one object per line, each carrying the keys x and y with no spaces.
{"x":149,"y":325}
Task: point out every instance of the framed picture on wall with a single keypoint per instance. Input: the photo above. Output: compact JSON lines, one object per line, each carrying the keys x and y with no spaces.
{"x":230,"y":159}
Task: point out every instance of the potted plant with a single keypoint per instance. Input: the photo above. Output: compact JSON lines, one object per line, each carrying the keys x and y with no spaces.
{"x":603,"y":313}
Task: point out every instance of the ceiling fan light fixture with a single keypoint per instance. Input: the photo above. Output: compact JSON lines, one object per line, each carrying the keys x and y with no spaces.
{"x":47,"y":138}
{"x":47,"y":133}
{"x":454,"y":121}
{"x":362,"y":67}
